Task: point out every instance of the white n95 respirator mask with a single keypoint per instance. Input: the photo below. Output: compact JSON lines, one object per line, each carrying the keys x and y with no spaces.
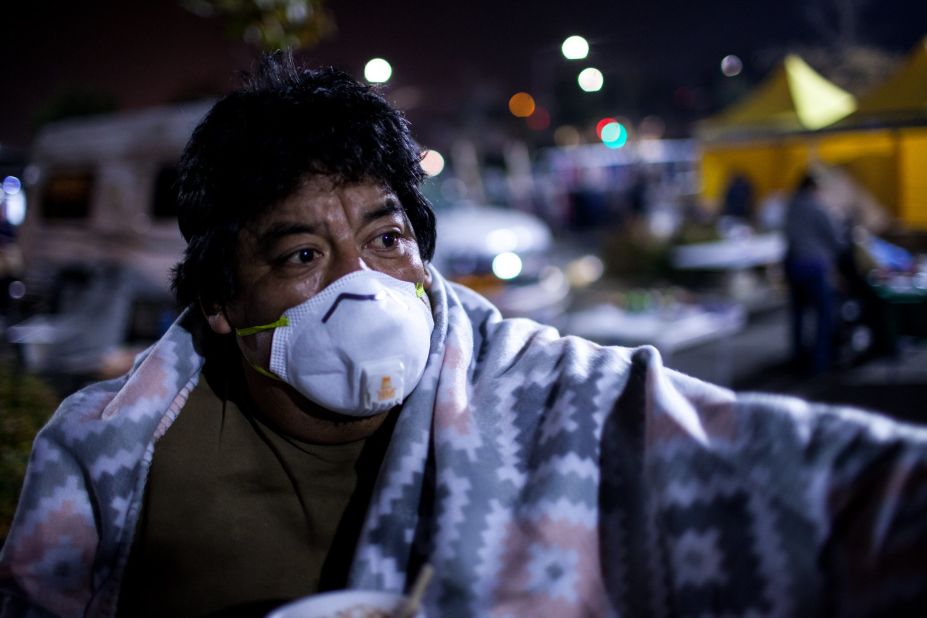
{"x":358,"y":347}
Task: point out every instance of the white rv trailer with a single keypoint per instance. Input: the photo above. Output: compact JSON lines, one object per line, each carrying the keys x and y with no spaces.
{"x":100,"y":235}
{"x":101,"y":190}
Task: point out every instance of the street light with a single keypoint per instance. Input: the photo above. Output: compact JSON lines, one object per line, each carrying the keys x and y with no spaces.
{"x":590,"y":79}
{"x":575,"y":47}
{"x":507,"y":265}
{"x":521,"y":104}
{"x":377,"y":71}
{"x":547,"y":67}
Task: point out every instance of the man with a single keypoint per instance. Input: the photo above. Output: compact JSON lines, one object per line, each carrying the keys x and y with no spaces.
{"x":814,"y":247}
{"x":330,"y":412}
{"x":738,"y":198}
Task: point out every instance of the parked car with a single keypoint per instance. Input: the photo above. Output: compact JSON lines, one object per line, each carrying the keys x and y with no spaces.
{"x":506,"y":255}
{"x":97,"y":317}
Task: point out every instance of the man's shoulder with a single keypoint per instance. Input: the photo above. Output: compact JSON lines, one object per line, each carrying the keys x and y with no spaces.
{"x":157,"y":380}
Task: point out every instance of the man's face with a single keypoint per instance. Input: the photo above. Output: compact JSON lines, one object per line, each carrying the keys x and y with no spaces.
{"x":319,"y":234}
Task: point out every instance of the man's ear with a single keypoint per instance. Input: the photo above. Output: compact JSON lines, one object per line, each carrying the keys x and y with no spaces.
{"x":217,"y":319}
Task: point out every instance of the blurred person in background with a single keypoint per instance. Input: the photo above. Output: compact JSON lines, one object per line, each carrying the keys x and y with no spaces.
{"x":738,"y":198}
{"x":330,"y":412}
{"x":814,"y":246}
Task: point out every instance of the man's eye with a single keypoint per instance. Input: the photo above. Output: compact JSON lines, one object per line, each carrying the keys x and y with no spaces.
{"x":303,"y":256}
{"x":388,"y":240}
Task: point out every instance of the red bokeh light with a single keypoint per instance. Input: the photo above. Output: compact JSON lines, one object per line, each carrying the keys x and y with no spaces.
{"x":601,"y":125}
{"x":539,"y":120}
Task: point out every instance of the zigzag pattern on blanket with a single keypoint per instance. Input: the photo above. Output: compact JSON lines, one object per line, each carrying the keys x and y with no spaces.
{"x":72,"y":529}
{"x":576,"y":480}
{"x":539,"y":475}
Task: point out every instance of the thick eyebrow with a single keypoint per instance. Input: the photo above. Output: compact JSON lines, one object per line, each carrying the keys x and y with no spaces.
{"x":389,"y":208}
{"x":275,"y":232}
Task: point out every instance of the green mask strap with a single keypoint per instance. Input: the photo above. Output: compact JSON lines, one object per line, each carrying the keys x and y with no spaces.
{"x":243,"y":332}
{"x":419,"y":290}
{"x":264,"y":372}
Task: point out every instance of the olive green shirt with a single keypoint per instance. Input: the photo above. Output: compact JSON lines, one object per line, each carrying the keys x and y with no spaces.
{"x":238,"y":518}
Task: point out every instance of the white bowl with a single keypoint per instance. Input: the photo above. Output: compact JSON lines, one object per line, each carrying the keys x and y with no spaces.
{"x":344,"y":604}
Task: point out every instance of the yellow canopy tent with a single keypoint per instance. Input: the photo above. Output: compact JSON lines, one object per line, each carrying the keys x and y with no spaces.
{"x":796,"y":119}
{"x":764,"y":135}
{"x":793,"y":98}
{"x":895,"y":112}
{"x":900,"y":99}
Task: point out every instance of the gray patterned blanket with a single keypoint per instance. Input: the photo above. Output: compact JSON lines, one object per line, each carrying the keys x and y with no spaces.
{"x":540,"y":476}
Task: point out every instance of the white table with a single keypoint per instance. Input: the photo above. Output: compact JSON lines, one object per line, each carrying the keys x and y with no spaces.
{"x":670,"y":331}
{"x":731,"y":253}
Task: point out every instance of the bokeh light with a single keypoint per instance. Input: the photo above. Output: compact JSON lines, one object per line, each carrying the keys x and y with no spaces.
{"x":614,"y":135}
{"x":432,"y":162}
{"x":652,"y":127}
{"x":521,"y":104}
{"x":14,"y":200}
{"x":731,"y":65}
{"x":585,"y":270}
{"x":539,"y":120}
{"x":297,"y":12}
{"x":567,"y":135}
{"x":12,"y":185}
{"x":16,"y":290}
{"x":591,"y":79}
{"x":575,"y":47}
{"x":15,"y":208}
{"x":377,"y":71}
{"x":601,"y":125}
{"x":506,"y":265}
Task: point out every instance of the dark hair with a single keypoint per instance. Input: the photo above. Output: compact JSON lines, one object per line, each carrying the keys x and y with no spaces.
{"x":257,"y":144}
{"x":807,"y":183}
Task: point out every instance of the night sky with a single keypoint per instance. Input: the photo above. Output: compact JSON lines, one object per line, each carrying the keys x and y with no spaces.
{"x":447,"y":57}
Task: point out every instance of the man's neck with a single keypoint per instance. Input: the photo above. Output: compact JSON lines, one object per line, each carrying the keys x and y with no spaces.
{"x":275,"y":401}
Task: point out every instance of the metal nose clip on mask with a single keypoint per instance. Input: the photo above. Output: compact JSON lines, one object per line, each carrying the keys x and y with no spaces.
{"x":358,"y":347}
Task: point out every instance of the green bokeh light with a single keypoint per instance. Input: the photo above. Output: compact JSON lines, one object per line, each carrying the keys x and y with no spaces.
{"x":614,"y":135}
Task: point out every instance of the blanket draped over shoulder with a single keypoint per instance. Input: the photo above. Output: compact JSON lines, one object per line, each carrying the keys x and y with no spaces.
{"x":538,"y":475}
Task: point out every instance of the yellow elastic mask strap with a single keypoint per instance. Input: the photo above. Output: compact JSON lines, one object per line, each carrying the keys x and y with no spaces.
{"x":242,"y":332}
{"x":264,"y":372}
{"x":419,"y":289}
